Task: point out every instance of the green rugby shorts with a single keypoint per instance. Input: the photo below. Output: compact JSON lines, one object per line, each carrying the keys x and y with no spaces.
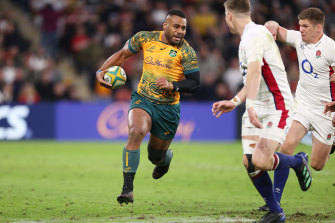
{"x":165,"y":118}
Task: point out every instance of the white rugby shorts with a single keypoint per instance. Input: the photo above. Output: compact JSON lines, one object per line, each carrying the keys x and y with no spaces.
{"x":275,"y":127}
{"x":315,"y":121}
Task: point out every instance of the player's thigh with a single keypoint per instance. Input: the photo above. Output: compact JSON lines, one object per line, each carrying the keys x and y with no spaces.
{"x":139,"y":120}
{"x":320,"y":154}
{"x":139,"y":124}
{"x":296,"y":132}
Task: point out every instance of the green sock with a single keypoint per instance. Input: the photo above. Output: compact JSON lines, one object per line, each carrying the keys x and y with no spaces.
{"x":168,"y":157}
{"x":131,"y":159}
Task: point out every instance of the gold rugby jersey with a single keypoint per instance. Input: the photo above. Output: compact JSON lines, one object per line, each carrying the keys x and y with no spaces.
{"x":162,"y":60}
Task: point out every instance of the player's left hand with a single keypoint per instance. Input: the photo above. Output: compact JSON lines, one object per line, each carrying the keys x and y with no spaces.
{"x":254,"y":118}
{"x":163,"y":83}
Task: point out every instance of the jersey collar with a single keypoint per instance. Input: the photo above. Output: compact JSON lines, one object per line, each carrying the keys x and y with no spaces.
{"x":248,"y":26}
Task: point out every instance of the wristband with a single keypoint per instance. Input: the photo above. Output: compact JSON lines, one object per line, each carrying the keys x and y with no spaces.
{"x":249,"y":103}
{"x":236,"y":101}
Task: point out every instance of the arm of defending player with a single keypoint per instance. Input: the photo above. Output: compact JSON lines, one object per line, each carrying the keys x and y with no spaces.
{"x":225,"y":106}
{"x":277,"y":31}
{"x":117,"y":59}
{"x":252,"y":88}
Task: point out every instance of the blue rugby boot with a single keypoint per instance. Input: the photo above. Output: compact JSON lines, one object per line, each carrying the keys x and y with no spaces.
{"x":273,"y":217}
{"x":303,"y":172}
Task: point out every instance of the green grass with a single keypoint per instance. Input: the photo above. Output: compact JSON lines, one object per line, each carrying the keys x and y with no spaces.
{"x":71,"y":181}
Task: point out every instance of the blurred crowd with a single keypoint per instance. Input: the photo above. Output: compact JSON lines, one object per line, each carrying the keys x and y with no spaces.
{"x":87,"y":32}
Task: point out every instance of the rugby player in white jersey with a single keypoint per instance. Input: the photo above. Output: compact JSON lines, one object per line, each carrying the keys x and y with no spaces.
{"x":316,"y":56}
{"x":268,"y":102}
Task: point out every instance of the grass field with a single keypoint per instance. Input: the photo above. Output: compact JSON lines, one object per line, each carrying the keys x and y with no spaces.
{"x":51,"y":181}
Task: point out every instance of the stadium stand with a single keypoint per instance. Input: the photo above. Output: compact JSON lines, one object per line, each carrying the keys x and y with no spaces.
{"x":50,"y":50}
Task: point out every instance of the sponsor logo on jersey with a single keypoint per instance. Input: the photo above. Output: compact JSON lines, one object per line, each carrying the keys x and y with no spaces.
{"x":173,"y":53}
{"x":329,"y":136}
{"x":159,"y":63}
{"x":318,"y":54}
{"x":269,"y":125}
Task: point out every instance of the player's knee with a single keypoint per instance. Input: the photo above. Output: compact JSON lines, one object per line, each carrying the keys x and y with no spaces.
{"x":259,"y":163}
{"x":155,"y":156}
{"x":317,"y":165}
{"x":137,"y":132}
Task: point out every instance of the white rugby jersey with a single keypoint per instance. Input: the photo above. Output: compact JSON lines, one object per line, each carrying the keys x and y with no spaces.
{"x":315,"y":67}
{"x":257,"y":44}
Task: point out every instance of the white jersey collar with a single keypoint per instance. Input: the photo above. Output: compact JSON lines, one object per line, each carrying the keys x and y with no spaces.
{"x":248,"y":26}
{"x":315,"y":44}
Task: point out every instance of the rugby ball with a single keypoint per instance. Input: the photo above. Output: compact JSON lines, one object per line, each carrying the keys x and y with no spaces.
{"x":115,"y":76}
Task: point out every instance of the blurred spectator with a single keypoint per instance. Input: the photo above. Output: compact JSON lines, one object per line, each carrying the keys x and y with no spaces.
{"x":233,"y":76}
{"x":28,"y":94}
{"x":50,"y":22}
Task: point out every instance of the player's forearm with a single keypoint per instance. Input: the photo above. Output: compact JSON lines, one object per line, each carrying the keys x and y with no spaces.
{"x":242,"y":94}
{"x":190,"y":85}
{"x":281,"y":34}
{"x":253,"y":80}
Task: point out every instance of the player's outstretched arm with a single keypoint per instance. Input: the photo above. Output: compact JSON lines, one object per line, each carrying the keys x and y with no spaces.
{"x":225,"y":106}
{"x":277,"y":31}
{"x":252,"y":88}
{"x":117,"y":59}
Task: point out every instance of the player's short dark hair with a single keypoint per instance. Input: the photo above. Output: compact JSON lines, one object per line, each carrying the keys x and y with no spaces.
{"x":314,"y":15}
{"x":238,"y":6}
{"x":176,"y":12}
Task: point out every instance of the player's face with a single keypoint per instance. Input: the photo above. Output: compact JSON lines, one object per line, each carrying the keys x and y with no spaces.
{"x":308,"y":30}
{"x":174,"y":29}
{"x":229,"y":19}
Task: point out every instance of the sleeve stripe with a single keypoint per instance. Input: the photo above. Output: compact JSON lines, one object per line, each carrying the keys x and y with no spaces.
{"x":130,"y":47}
{"x":191,"y":71}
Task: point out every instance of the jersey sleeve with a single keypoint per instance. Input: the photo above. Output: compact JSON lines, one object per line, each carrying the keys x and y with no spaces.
{"x":189,"y":60}
{"x":254,"y":48}
{"x":293,"y":37}
{"x":136,"y":42}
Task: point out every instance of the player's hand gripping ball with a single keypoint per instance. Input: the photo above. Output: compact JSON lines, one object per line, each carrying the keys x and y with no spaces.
{"x":115,"y":76}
